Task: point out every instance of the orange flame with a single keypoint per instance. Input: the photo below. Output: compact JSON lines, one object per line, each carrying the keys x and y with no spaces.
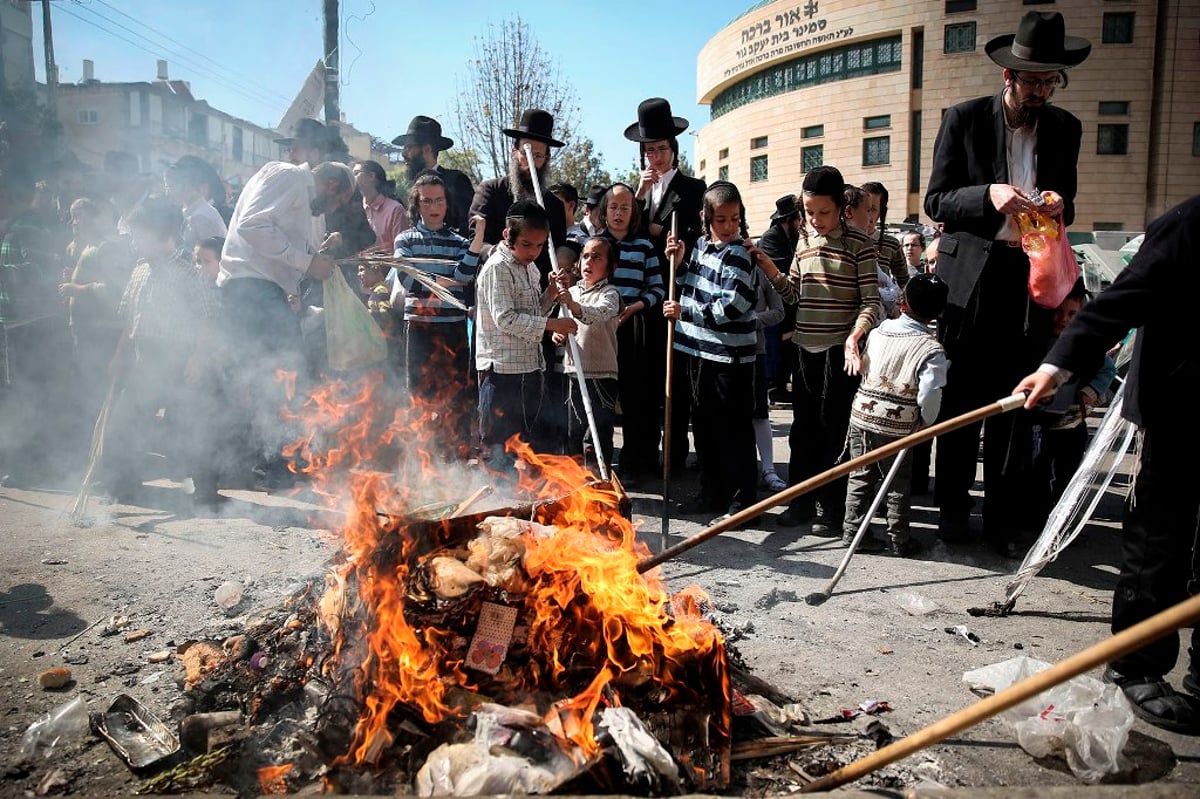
{"x":271,"y":779}
{"x":598,"y":632}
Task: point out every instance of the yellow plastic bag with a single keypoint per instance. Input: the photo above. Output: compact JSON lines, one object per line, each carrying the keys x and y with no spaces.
{"x":354,"y":340}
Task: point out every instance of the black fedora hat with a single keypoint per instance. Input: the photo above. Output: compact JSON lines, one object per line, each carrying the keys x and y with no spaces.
{"x":536,"y":125}
{"x":1041,"y":44}
{"x":655,"y":122}
{"x":424,"y":130}
{"x":595,"y":195}
{"x":308,"y":129}
{"x":785,"y":206}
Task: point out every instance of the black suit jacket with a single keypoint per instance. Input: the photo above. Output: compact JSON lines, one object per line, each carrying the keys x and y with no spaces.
{"x":970,"y":155}
{"x":1147,"y":295}
{"x":492,"y":201}
{"x":778,"y":247}
{"x":685,"y":197}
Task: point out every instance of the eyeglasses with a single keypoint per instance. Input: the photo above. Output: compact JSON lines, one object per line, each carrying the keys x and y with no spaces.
{"x":1035,"y":83}
{"x":432,"y":201}
{"x":539,"y":157}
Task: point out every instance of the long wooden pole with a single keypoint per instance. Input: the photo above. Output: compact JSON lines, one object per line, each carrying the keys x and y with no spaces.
{"x":1124,"y":642}
{"x":667,"y":401}
{"x":1004,"y":405}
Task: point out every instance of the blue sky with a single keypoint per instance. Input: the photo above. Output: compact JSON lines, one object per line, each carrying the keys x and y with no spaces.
{"x":399,"y":58}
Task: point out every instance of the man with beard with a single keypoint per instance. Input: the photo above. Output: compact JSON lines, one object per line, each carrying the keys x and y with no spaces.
{"x":991,"y":154}
{"x":494,"y":197}
{"x":421,"y":145}
{"x":275,"y":240}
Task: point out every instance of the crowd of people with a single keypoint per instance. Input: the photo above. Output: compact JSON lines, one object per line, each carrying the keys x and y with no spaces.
{"x":177,"y":314}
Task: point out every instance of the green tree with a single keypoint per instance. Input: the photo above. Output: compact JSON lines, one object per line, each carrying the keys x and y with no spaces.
{"x":464,"y":160}
{"x":580,"y":165}
{"x":509,"y":74}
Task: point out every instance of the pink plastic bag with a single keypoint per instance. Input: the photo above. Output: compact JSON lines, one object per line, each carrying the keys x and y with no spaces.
{"x":1053,"y":269}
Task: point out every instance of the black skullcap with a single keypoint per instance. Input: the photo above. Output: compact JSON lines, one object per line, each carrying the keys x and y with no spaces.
{"x":926,"y":295}
{"x":824,"y":181}
{"x":523,"y":208}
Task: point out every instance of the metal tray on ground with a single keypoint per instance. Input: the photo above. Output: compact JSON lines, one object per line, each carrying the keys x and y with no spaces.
{"x":138,"y":737}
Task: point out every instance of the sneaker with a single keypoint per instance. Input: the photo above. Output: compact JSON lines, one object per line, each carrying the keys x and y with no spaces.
{"x":769,"y":481}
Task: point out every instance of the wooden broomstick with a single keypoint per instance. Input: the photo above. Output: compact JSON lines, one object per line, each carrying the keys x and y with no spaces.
{"x":666,"y":492}
{"x":1004,"y":405}
{"x":571,"y":341}
{"x":1124,"y":642}
{"x":79,"y":506}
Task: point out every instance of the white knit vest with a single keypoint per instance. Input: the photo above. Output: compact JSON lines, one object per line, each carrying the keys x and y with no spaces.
{"x":886,"y":401}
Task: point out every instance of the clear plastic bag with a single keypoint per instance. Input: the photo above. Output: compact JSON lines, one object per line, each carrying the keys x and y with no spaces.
{"x":68,"y":719}
{"x":354,"y":340}
{"x":1082,"y":720}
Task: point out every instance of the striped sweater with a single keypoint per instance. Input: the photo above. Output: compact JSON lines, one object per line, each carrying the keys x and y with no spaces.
{"x":421,"y":242}
{"x":891,"y":257}
{"x":716,"y":298}
{"x":834,"y":285}
{"x":638,"y":275}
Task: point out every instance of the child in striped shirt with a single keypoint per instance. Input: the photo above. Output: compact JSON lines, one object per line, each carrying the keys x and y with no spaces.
{"x":716,"y":329}
{"x":438,"y":353}
{"x":835,"y":285}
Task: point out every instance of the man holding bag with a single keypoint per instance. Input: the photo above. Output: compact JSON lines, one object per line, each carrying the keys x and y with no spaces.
{"x":991,"y":154}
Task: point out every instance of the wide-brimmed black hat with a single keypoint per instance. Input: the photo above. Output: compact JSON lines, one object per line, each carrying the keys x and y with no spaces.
{"x":1041,"y":44}
{"x":424,"y":130}
{"x":595,"y":195}
{"x":308,"y":129}
{"x":536,"y":125}
{"x":655,"y":122}
{"x":785,"y":206}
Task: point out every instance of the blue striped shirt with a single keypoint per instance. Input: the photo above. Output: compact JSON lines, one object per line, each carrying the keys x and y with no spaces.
{"x":421,"y":242}
{"x":638,"y":275}
{"x":717,"y":297}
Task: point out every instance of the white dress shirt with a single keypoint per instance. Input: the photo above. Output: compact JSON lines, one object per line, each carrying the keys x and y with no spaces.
{"x":657,"y":190}
{"x":1021,"y":146}
{"x":273,"y":234}
{"x":202,"y":221}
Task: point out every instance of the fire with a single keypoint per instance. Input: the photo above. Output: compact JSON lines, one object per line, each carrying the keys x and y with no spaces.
{"x":594,"y":631}
{"x":271,"y":779}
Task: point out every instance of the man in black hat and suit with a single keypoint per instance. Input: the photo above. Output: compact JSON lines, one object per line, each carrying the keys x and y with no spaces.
{"x":494,"y":197}
{"x":664,"y":190}
{"x":779,"y":242}
{"x":991,"y":153}
{"x":420,"y":147}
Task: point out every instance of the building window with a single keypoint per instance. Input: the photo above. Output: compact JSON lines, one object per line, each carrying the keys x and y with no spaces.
{"x":1112,"y":140}
{"x":1114,"y":107}
{"x":723,"y":153}
{"x":1038,"y":2}
{"x":758,"y":168}
{"x":877,"y":150}
{"x":877,"y":123}
{"x":237,"y":144}
{"x":875,"y":57}
{"x":723,"y":173}
{"x":1118,"y":28}
{"x":1196,"y":139}
{"x":914,"y":154}
{"x":702,"y":164}
{"x":87,"y":116}
{"x":758,"y":142}
{"x":960,"y":38}
{"x":198,"y":130}
{"x":812,"y":157}
{"x":1108,"y":226}
{"x":812,"y":132}
{"x":918,"y":59}
{"x":957,"y":6}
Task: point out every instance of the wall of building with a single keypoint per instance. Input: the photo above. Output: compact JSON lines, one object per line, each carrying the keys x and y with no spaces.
{"x":16,"y":45}
{"x":1149,"y":74}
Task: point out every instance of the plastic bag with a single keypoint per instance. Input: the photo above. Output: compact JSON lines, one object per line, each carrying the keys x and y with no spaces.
{"x":889,"y":293}
{"x":1083,"y":720}
{"x":915,"y":604}
{"x":1053,"y":269}
{"x":354,"y":340}
{"x":68,"y":719}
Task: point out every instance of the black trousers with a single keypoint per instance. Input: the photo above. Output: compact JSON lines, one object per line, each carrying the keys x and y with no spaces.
{"x":722,"y":412}
{"x":641,"y":369}
{"x":821,"y":396}
{"x":1159,"y":562}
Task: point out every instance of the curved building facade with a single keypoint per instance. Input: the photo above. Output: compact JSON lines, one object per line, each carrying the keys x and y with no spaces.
{"x":793,"y":84}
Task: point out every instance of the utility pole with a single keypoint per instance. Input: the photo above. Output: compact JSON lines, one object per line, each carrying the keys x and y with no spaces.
{"x":332,"y":76}
{"x":51,"y":68}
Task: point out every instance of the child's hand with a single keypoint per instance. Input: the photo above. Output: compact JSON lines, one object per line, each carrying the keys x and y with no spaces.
{"x":762,"y":260}
{"x":673,"y":250}
{"x":558,"y":338}
{"x":672,"y":310}
{"x":561,"y":325}
{"x":479,"y":224}
{"x":853,"y":359}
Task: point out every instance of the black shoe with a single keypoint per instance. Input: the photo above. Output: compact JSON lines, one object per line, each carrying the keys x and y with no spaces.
{"x":869,"y":544}
{"x":1153,"y":700}
{"x":1191,"y":682}
{"x":697,"y":506}
{"x":733,"y":511}
{"x":825,"y":527}
{"x":953,"y":529}
{"x":906,"y":548}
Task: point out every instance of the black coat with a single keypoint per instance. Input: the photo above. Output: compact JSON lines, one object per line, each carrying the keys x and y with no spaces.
{"x":459,"y":193}
{"x":492,"y":201}
{"x":778,"y":247}
{"x":685,"y":197}
{"x":970,"y":155}
{"x":1151,"y":293}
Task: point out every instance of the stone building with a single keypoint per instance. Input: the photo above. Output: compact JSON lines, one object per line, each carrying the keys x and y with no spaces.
{"x":862,"y":86}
